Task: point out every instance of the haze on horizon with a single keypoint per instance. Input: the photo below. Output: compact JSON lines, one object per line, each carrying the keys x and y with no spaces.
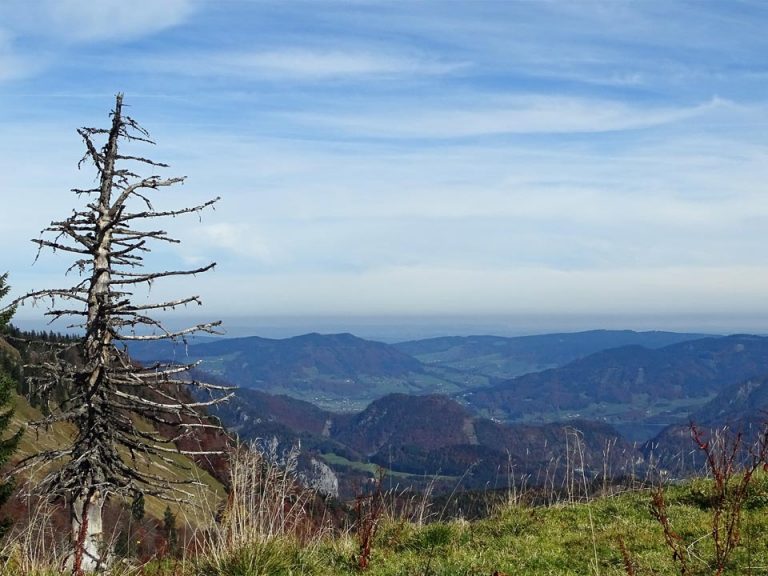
{"x":573,"y":165}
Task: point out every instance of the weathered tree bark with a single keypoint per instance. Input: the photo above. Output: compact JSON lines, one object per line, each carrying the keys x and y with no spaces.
{"x":89,"y":553}
{"x":105,"y":389}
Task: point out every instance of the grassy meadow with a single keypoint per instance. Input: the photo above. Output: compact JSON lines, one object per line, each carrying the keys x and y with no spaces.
{"x":608,"y":535}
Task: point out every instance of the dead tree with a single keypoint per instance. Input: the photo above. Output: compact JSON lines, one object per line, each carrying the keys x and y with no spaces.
{"x":104,"y":390}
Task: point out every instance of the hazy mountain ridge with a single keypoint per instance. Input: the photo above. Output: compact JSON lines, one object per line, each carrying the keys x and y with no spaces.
{"x":434,"y":435}
{"x":344,"y":355}
{"x":253,"y":407}
{"x":344,"y":372}
{"x":739,"y":402}
{"x":429,"y":422}
{"x":340,"y":371}
{"x":638,"y":388}
{"x":508,"y":357}
{"x":628,"y":384}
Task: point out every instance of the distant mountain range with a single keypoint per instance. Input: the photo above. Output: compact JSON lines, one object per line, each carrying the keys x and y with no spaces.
{"x":633,"y":387}
{"x":504,"y":358}
{"x":345,"y":373}
{"x":338,"y":371}
{"x":437,"y":410}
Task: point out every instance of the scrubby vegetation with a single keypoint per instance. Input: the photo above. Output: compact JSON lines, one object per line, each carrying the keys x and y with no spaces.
{"x":578,"y":539}
{"x":271,"y":526}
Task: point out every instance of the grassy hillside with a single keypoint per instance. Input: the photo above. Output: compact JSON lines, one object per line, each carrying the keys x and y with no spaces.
{"x":207,"y":495}
{"x":568,"y":539}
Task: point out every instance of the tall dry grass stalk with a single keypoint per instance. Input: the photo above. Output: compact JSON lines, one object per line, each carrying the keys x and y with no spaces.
{"x":421,"y":506}
{"x":265,"y":503}
{"x":517,"y":487}
{"x":34,"y":545}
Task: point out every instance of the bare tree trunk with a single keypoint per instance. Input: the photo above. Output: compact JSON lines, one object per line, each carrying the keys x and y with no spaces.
{"x":86,"y":508}
{"x":89,"y":551}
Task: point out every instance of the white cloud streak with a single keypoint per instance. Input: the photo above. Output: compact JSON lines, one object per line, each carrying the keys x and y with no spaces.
{"x":88,"y":21}
{"x":523,"y":290}
{"x":13,"y":65}
{"x":301,"y":63}
{"x":483,"y":158}
{"x":240,"y":239}
{"x":519,"y":115}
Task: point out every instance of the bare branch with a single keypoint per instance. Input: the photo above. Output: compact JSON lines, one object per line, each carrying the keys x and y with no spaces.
{"x":209,"y":328}
{"x":153,"y":182}
{"x":170,"y":304}
{"x":59,"y":246}
{"x":169,"y":407}
{"x":171,"y":212}
{"x":130,"y":278}
{"x":144,"y":160}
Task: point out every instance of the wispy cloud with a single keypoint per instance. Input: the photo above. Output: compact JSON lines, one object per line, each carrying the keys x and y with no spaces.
{"x":301,"y":63}
{"x":521,"y":290}
{"x":239,"y":239}
{"x":419,"y":157}
{"x":88,"y":21}
{"x":14,"y":65}
{"x":543,"y":114}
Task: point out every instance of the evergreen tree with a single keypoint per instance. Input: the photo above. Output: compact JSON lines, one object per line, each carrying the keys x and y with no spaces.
{"x":7,"y":387}
{"x":5,"y":315}
{"x":171,"y":532}
{"x":137,"y":507}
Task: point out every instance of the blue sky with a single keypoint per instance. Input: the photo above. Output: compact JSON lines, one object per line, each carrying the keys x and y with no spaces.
{"x":476,"y":159}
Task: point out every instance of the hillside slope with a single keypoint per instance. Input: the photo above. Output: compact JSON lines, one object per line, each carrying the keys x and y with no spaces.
{"x":739,"y":409}
{"x":421,"y":437}
{"x":631,"y":386}
{"x":208,"y":492}
{"x":503,"y":358}
{"x":335,"y":371}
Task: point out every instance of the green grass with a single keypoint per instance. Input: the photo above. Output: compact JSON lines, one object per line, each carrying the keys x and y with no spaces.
{"x":332,"y":458}
{"x":273,"y":558}
{"x":569,"y":539}
{"x":337,"y":460}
